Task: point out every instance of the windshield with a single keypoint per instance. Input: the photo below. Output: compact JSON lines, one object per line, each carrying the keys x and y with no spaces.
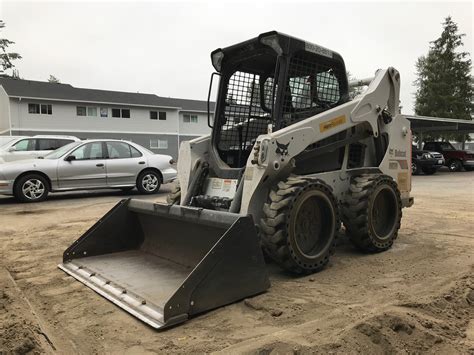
{"x":446,"y":146}
{"x":7,"y":141}
{"x":61,"y":151}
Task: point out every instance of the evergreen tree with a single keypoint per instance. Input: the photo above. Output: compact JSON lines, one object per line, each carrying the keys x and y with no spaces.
{"x":53,"y":79}
{"x":444,"y":84}
{"x":6,"y":58}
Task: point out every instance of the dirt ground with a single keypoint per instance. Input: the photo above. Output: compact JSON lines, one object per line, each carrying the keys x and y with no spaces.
{"x":416,"y":297}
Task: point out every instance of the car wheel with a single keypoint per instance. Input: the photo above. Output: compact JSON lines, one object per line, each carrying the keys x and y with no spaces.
{"x":454,"y":165}
{"x":148,"y":182}
{"x":31,"y":188}
{"x":415,"y":169}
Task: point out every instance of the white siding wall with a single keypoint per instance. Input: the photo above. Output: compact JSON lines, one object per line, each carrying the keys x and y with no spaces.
{"x":4,"y":112}
{"x":64,"y":118}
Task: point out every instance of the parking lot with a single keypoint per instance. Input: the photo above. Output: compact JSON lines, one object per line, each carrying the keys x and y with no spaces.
{"x":418,"y":296}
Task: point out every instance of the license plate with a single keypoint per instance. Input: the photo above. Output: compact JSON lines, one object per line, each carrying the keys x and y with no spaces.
{"x":440,"y":162}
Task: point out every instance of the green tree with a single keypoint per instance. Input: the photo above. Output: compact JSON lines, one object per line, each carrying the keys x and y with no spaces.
{"x":6,"y":58}
{"x":444,"y":85}
{"x":53,"y":79}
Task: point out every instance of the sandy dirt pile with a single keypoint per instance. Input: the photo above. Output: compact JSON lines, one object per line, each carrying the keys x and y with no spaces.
{"x":20,"y":332}
{"x":417,"y":297}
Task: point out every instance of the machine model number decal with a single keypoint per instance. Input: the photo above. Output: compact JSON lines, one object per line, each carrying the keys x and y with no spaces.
{"x":334,"y":122}
{"x":397,"y":153}
{"x":317,"y":49}
{"x":282,"y":149}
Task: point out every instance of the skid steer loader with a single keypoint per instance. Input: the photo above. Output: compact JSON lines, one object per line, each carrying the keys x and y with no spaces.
{"x":290,"y":157}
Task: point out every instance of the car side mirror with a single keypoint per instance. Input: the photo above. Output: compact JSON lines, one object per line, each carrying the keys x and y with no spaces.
{"x":70,"y":158}
{"x":12,"y":149}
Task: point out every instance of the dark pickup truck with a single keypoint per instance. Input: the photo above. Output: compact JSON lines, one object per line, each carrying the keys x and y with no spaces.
{"x":425,"y":161}
{"x":455,"y":159}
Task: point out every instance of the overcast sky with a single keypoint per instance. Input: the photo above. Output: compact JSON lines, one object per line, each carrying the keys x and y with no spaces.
{"x":164,"y":47}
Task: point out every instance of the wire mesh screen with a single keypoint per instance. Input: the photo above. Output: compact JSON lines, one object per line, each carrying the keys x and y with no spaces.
{"x":245,"y":119}
{"x":312,"y":88}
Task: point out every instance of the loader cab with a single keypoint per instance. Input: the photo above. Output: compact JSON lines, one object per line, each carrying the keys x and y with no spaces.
{"x":268,"y":83}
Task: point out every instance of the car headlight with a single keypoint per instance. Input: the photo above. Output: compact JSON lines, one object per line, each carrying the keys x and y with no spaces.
{"x":427,"y":156}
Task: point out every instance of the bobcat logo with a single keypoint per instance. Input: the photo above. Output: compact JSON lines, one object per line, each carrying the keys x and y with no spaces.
{"x":282,"y":149}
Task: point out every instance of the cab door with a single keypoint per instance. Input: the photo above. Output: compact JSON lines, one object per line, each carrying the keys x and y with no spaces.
{"x":83,"y":168}
{"x":124,"y":163}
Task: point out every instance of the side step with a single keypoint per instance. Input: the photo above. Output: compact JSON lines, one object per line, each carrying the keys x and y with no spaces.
{"x":165,"y":263}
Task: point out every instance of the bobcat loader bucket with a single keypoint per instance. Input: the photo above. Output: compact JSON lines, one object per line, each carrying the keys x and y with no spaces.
{"x":164,"y":263}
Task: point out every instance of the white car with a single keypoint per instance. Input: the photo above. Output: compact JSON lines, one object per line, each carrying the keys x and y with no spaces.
{"x":85,"y":165}
{"x":32,"y":147}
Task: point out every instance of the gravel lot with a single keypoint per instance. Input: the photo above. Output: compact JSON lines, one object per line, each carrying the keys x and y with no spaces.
{"x":416,"y":297}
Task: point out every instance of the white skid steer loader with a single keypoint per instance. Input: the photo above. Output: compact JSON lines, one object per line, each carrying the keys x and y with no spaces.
{"x":289,"y":158}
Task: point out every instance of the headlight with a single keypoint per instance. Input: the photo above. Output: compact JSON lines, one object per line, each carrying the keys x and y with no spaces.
{"x":427,"y":156}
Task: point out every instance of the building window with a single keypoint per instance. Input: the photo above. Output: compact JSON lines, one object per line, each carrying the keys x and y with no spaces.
{"x":121,"y":112}
{"x":44,"y":109}
{"x":125,"y":113}
{"x":158,"y":144}
{"x":81,"y":110}
{"x":153,"y":115}
{"x":190,"y":118}
{"x":34,"y":108}
{"x":104,"y":112}
{"x":162,"y":116}
{"x":116,"y":112}
{"x":92,"y":111}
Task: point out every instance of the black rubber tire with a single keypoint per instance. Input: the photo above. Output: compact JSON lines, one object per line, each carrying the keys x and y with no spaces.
{"x":415,"y":168}
{"x":279,"y":225}
{"x":142,"y":186}
{"x":174,"y":197}
{"x":359,"y":208}
{"x":455,"y":165}
{"x":429,"y":171}
{"x":19,"y":193}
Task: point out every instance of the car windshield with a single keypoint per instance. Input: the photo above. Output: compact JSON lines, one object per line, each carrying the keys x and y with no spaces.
{"x":6,"y":142}
{"x":58,"y":153}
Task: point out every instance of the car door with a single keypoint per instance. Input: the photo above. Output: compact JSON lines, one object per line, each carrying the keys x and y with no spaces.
{"x":23,"y":149}
{"x":124,"y":163}
{"x":84,"y":167}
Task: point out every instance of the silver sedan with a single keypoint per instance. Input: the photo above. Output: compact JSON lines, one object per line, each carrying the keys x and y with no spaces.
{"x":91,"y":164}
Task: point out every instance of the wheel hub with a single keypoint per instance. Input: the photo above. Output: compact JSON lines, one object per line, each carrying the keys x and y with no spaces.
{"x":150,"y":182}
{"x":33,"y":189}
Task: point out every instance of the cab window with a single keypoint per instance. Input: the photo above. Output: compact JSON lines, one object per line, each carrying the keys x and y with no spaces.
{"x":25,"y":145}
{"x":89,"y":151}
